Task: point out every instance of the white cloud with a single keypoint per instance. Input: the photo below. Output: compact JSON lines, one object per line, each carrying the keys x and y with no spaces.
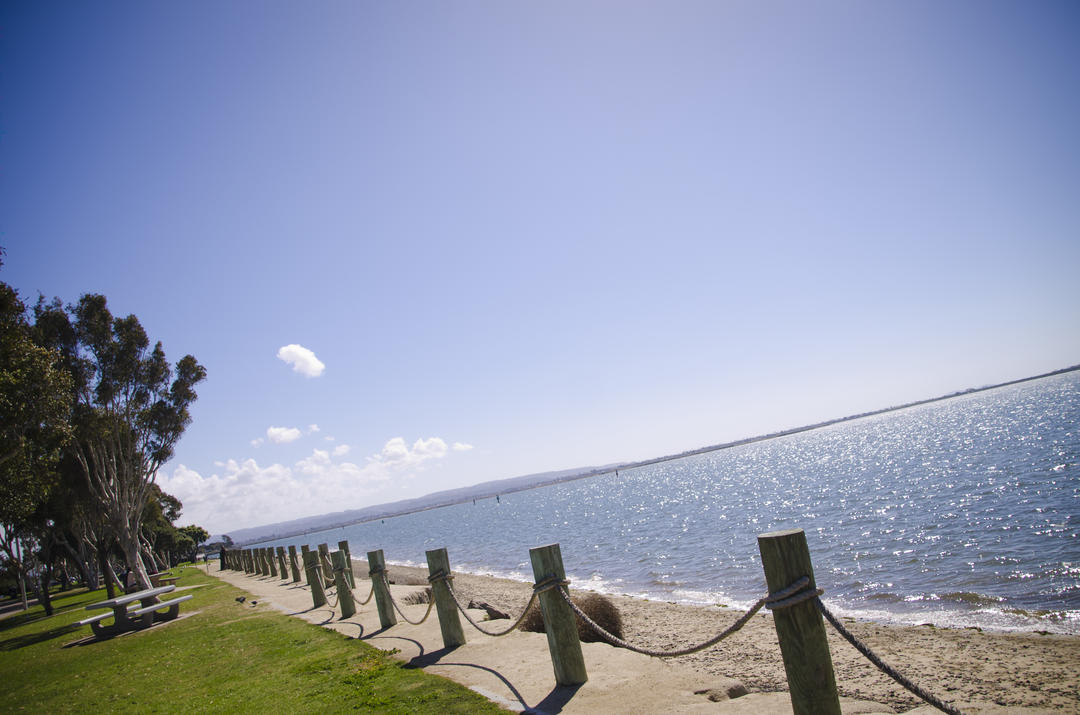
{"x":397,"y":452}
{"x":244,"y":493}
{"x":255,"y":442}
{"x":302,"y":360}
{"x":461,"y":447}
{"x":312,"y":428}
{"x":282,"y":435}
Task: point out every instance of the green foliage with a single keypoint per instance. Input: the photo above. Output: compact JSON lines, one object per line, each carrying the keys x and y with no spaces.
{"x":223,"y":657}
{"x":196,"y":533}
{"x":35,"y":401}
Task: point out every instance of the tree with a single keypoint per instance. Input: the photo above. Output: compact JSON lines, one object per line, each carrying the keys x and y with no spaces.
{"x":197,"y":534}
{"x":35,"y":403}
{"x":129,"y":410}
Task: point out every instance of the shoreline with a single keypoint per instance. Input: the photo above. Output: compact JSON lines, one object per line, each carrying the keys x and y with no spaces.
{"x":971,"y":668}
{"x":1029,"y":622}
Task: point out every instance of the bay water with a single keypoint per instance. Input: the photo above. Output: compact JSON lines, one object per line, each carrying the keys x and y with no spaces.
{"x":960,"y":513}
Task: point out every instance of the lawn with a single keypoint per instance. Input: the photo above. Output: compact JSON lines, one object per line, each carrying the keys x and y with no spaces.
{"x":224,"y":657}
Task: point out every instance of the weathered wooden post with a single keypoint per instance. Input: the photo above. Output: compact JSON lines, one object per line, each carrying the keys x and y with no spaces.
{"x":245,"y":562}
{"x":438,"y":564}
{"x":559,"y":621}
{"x":377,"y":571}
{"x":260,"y":569}
{"x":311,"y":567}
{"x":264,"y":563}
{"x":269,"y":555}
{"x":343,"y":545}
{"x":282,"y":566}
{"x":249,"y":558}
{"x":324,"y":561}
{"x":293,"y":565}
{"x":304,"y":549}
{"x":785,"y":557}
{"x":345,"y":597}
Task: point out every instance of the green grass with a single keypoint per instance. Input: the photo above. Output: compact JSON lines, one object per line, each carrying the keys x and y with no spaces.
{"x":226,"y":658}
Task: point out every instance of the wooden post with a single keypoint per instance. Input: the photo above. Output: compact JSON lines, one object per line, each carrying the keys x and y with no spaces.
{"x":785,"y":557}
{"x":377,"y":567}
{"x":293,"y":565}
{"x":324,"y":561}
{"x":282,"y":566}
{"x":449,"y":622}
{"x":559,"y":621}
{"x":304,"y":548}
{"x":268,"y":553}
{"x":311,"y":566}
{"x":343,"y":545}
{"x":260,"y":565}
{"x":345,"y":597}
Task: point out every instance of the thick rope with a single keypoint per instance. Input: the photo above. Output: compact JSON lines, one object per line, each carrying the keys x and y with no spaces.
{"x":775,"y":599}
{"x":398,"y":608}
{"x":371,"y":575}
{"x":544,"y":585}
{"x":882,"y":665}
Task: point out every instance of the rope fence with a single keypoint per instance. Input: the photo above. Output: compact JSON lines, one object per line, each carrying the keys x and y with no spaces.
{"x":797,"y":611}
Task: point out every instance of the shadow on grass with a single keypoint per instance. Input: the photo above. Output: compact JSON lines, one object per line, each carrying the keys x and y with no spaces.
{"x":35,"y":638}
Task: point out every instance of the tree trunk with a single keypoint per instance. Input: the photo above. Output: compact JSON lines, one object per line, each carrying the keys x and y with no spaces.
{"x":129,"y":544}
{"x":22,"y":589}
{"x":107,"y":571}
{"x":45,"y":575}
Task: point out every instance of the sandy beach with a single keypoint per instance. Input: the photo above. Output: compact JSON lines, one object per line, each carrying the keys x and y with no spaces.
{"x":979,"y":672}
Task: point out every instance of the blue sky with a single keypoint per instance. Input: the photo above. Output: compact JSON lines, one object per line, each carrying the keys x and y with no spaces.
{"x":523,"y":237}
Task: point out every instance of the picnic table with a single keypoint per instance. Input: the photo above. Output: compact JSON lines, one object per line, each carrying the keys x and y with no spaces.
{"x":126,"y":620}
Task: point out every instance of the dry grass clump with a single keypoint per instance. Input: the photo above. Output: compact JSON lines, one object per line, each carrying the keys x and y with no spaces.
{"x":597,"y":607}
{"x":417,"y":598}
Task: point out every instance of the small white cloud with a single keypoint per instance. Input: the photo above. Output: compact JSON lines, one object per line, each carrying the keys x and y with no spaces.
{"x":282,"y":435}
{"x":312,"y":428}
{"x":341,"y":450}
{"x":302,"y":360}
{"x":461,"y":447}
{"x":256,"y":442}
{"x":329,"y":438}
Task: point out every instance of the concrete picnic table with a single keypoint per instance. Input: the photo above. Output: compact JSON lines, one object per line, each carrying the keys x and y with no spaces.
{"x":125,"y":620}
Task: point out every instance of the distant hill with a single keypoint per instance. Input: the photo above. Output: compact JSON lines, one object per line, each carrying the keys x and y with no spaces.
{"x":407,"y":506}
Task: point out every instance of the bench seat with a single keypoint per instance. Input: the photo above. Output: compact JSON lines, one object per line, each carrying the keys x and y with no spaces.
{"x":173,"y":605}
{"x":95,"y":619}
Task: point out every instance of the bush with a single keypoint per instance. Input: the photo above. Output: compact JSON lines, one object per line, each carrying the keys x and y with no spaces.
{"x":417,"y":598}
{"x":597,"y":607}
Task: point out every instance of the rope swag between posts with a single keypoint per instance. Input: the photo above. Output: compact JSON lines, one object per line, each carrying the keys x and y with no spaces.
{"x":431,"y":602}
{"x":794,"y":594}
{"x":547,"y":584}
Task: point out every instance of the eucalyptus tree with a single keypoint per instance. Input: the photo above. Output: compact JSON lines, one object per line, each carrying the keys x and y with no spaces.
{"x":131,"y":408}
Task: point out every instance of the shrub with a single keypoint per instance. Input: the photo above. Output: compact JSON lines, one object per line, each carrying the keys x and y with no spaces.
{"x":417,"y":598}
{"x":597,"y":607}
